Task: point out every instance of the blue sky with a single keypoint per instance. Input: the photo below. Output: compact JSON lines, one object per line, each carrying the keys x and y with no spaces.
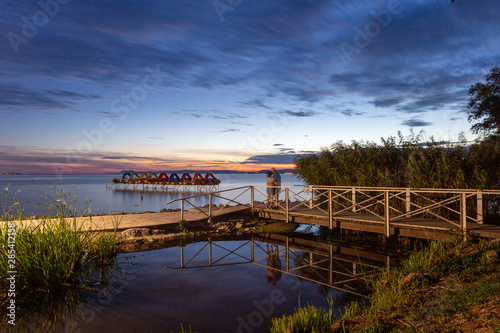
{"x":100,"y":86}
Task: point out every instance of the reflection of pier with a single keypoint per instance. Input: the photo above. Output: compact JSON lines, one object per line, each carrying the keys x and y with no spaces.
{"x":334,"y":266}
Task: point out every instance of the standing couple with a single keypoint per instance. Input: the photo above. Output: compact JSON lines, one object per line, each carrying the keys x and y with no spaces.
{"x":273,"y":188}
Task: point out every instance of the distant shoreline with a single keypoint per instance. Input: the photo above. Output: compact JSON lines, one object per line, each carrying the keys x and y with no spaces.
{"x":264,"y":171}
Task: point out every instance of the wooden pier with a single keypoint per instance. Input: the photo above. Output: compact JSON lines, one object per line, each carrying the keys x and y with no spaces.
{"x":418,"y":213}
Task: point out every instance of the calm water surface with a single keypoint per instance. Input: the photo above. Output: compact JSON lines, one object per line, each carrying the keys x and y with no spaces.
{"x":30,"y":190}
{"x":219,"y":286}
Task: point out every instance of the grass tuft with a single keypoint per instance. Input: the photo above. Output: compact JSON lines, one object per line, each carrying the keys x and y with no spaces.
{"x":53,"y":253}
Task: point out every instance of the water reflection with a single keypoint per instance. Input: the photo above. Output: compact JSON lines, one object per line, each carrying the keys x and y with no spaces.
{"x":273,"y":264}
{"x":61,"y":310}
{"x":330,"y":265}
{"x":232,"y":279}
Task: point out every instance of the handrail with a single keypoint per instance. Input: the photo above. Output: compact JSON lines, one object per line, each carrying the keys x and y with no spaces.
{"x":381,"y":204}
{"x":423,"y":189}
{"x":205,"y":194}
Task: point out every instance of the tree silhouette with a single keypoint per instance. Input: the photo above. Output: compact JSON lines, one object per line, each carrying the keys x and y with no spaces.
{"x":484,"y":104}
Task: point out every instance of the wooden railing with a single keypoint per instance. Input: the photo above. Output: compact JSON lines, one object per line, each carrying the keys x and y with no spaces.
{"x":456,"y":207}
{"x":389,"y":205}
{"x":214,"y":211}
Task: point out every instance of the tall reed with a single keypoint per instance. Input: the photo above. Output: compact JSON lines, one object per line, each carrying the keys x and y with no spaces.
{"x":54,"y":252}
{"x":407,"y":162}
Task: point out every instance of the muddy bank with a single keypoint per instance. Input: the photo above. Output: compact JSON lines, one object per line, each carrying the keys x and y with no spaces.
{"x":145,"y":239}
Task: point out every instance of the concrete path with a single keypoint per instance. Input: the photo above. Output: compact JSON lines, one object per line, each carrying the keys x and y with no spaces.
{"x":148,"y":220}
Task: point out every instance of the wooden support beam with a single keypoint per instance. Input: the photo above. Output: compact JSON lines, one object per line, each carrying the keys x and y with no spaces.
{"x":463,"y":215}
{"x":210,"y":207}
{"x":287,"y":198}
{"x":311,"y":196}
{"x":252,"y":197}
{"x":353,"y":199}
{"x":330,"y":210}
{"x":408,"y":201}
{"x":387,"y":216}
{"x":480,"y":207}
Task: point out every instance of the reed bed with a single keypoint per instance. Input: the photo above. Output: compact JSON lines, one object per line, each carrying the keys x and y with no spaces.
{"x":54,"y":253}
{"x":408,"y":162}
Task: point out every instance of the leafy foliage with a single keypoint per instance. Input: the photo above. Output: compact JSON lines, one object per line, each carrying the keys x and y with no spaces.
{"x":484,"y":104}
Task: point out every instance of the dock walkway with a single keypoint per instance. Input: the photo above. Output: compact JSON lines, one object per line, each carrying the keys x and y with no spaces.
{"x":418,"y":213}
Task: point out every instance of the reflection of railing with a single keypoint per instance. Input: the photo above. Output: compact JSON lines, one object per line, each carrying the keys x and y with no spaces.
{"x":326,"y":264}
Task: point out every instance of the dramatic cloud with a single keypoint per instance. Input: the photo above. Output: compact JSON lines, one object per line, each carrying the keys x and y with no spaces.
{"x":228,"y":130}
{"x":308,"y":113}
{"x":386,"y":102}
{"x":270,"y":159}
{"x":416,"y":123}
{"x":351,"y":113}
{"x":187,"y":73}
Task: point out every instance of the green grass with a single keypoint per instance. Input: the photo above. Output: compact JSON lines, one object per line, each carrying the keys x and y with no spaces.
{"x":55,"y":253}
{"x":184,"y":330}
{"x":305,"y":320}
{"x":460,"y":278}
{"x":461,"y":300}
{"x":183,"y":227}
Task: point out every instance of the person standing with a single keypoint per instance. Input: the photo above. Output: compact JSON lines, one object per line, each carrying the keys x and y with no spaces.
{"x":277,"y":190}
{"x":271,"y":183}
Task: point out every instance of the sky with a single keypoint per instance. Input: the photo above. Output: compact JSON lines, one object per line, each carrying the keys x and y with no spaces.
{"x":103,"y":86}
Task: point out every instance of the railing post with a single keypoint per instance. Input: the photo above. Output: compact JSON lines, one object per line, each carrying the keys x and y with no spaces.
{"x":182,"y":209}
{"x":408,"y":201}
{"x":286,"y":204}
{"x":463,"y":214}
{"x":353,"y":199}
{"x":210,"y":207}
{"x":252,"y":197}
{"x":387,"y":216}
{"x":311,"y":196}
{"x":330,"y":210}
{"x":480,"y":207}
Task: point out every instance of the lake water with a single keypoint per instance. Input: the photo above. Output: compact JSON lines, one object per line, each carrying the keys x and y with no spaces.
{"x":232,"y":284}
{"x":220,"y":285}
{"x":30,"y":190}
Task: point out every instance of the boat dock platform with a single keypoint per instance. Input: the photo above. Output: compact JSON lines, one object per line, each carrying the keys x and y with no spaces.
{"x":164,"y":182}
